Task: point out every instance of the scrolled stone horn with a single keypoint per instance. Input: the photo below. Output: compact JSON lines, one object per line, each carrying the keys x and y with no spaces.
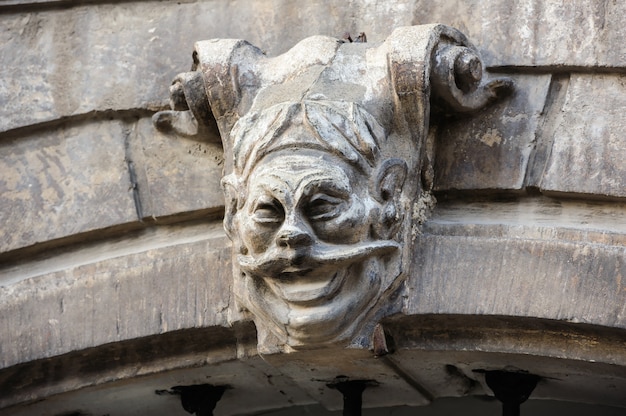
{"x":457,"y":79}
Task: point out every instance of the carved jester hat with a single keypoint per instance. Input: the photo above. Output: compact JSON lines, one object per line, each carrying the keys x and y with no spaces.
{"x":326,"y":155}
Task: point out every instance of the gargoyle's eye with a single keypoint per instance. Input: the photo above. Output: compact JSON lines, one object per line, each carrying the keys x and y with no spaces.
{"x":268,"y":212}
{"x":323,"y":207}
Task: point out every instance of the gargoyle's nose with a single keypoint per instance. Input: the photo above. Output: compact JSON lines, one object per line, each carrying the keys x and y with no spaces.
{"x":293,"y":236}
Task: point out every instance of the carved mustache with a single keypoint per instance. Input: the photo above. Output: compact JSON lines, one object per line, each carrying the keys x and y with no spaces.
{"x":277,"y":261}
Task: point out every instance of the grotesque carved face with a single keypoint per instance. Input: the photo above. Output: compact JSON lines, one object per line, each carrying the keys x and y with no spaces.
{"x":312,"y":235}
{"x":306,"y":239}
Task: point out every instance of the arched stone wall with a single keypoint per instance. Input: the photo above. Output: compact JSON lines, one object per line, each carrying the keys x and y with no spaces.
{"x":111,"y":244}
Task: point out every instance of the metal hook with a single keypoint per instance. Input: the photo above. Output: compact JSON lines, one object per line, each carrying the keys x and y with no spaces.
{"x":352,"y":391}
{"x":511,"y":388}
{"x":199,"y":399}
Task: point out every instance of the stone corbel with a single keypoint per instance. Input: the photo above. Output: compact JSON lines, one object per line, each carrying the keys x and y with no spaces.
{"x":324,"y":149}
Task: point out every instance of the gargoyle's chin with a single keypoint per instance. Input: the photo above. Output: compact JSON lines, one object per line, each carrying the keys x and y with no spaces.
{"x":305,"y":307}
{"x":331,"y":322}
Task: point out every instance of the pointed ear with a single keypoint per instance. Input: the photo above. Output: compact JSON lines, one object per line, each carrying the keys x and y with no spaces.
{"x":388,"y":189}
{"x":390,"y":179}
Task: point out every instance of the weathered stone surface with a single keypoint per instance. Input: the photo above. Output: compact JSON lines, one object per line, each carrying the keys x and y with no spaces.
{"x":141,"y":401}
{"x":263,"y":387}
{"x":550,"y":339}
{"x":175,"y":175}
{"x":462,"y":373}
{"x":542,"y":259}
{"x":313,"y":371}
{"x":445,"y":355}
{"x":530,"y":33}
{"x":526,"y":258}
{"x":63,"y":182}
{"x":589,"y":145}
{"x":491,"y":149}
{"x":450,"y":355}
{"x":128,"y":52}
{"x":64,"y":62}
{"x":118,"y":361}
{"x":521,"y":279}
{"x":159,"y":281}
{"x":123,"y":55}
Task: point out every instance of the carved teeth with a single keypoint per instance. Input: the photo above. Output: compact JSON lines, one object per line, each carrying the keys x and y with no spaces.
{"x":308,"y":289}
{"x":292,"y":269}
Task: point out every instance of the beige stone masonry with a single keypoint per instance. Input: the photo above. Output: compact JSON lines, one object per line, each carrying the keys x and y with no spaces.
{"x":175,"y":175}
{"x":492,"y":150}
{"x":122,"y":55}
{"x":64,"y":182}
{"x":589,"y":144}
{"x":116,"y":274}
{"x":533,"y":258}
{"x":156,"y":282}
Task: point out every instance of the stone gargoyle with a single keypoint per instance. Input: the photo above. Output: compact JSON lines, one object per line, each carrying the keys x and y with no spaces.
{"x":327,"y":169}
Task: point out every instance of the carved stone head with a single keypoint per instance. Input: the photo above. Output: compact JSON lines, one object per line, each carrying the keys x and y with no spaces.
{"x":327,"y":162}
{"x":313,"y":210}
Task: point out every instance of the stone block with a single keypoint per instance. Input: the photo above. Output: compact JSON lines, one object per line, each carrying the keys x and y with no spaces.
{"x":63,"y":182}
{"x":589,"y":146}
{"x":123,"y":55}
{"x":175,"y":175}
{"x":160,"y":281}
{"x":63,"y":62}
{"x":520,"y":277}
{"x":526,"y":263}
{"x":491,"y":150}
{"x":574,"y":33}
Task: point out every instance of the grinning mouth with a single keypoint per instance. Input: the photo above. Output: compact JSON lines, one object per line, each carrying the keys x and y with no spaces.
{"x":313,"y":276}
{"x":307,"y":288}
{"x":291,"y":271}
